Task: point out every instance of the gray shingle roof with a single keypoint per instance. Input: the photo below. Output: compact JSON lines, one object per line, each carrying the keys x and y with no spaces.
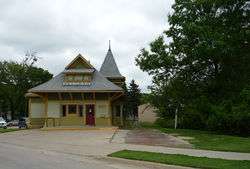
{"x":109,"y":67}
{"x":99,"y":83}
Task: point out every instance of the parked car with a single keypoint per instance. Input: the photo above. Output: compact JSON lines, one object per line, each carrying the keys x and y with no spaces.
{"x":3,"y":123}
{"x":23,"y":123}
{"x":13,"y":123}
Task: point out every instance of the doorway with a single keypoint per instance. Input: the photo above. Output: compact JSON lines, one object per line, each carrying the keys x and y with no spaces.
{"x":90,"y":114}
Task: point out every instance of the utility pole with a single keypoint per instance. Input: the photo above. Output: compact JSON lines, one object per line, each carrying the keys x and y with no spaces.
{"x":176,"y":118}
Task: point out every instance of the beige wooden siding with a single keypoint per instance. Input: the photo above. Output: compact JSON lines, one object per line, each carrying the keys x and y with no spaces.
{"x":36,"y":108}
{"x":54,"y":109}
{"x":102,"y":109}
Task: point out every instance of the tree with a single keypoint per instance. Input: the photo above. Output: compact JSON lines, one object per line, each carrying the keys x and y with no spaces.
{"x":205,"y":65}
{"x":125,"y":110}
{"x":133,"y":99}
{"x":16,"y":78}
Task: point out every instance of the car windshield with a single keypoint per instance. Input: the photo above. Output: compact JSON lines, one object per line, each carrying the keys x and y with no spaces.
{"x":1,"y":119}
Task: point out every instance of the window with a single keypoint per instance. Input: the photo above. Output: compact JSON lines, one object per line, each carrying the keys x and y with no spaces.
{"x":77,"y":96}
{"x":64,"y":109}
{"x":70,"y":78}
{"x":72,"y":109}
{"x":87,"y":78}
{"x":88,"y":96}
{"x":117,"y":110}
{"x":78,"y":78}
{"x":80,"y":109}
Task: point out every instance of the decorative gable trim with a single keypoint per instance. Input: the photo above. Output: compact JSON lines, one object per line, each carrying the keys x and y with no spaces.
{"x":76,"y":83}
{"x":79,"y":56}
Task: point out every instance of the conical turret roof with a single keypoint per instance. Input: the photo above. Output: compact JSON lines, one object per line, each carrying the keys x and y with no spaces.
{"x":109,"y":67}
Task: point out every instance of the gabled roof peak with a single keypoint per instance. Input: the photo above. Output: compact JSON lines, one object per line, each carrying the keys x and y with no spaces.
{"x":77,"y":60}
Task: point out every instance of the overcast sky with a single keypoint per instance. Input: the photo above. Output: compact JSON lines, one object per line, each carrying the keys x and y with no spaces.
{"x":60,"y":29}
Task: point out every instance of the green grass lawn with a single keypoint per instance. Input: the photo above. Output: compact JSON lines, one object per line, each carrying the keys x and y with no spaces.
{"x":211,"y":141}
{"x":182,"y":160}
{"x":7,"y":130}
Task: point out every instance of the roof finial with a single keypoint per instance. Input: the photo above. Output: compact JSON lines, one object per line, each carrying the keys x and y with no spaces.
{"x":109,"y":45}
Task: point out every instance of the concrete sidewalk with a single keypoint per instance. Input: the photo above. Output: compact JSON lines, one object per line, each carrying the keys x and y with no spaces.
{"x":120,"y":138}
{"x":80,"y":149}
{"x":192,"y":152}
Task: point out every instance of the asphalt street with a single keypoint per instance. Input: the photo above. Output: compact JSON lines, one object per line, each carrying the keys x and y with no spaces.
{"x":15,"y":157}
{"x":18,"y":157}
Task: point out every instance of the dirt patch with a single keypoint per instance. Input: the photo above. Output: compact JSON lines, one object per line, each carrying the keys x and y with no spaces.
{"x":155,"y":138}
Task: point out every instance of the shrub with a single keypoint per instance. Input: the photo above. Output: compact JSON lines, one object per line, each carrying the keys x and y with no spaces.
{"x":166,"y":123}
{"x":235,"y":121}
{"x":191,"y":120}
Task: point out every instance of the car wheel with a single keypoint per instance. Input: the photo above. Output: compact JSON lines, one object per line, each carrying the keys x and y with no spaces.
{"x":5,"y":127}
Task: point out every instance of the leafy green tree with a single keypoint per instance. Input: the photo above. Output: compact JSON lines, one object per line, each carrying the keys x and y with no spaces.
{"x":145,"y":98}
{"x":15,"y":79}
{"x":201,"y":61}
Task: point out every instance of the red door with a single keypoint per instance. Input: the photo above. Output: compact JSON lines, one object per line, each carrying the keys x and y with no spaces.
{"x":90,"y":114}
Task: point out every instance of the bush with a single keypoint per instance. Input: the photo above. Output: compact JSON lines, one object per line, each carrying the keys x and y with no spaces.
{"x":147,"y":125}
{"x":166,"y":123}
{"x":229,"y":116}
{"x":230,"y":119}
{"x":225,"y":118}
{"x":191,"y":120}
{"x":194,"y":116}
{"x":218,"y":121}
{"x":240,"y":119}
{"x":130,"y":124}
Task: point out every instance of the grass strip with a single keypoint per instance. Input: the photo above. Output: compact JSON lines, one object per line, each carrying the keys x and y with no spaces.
{"x":210,"y":140}
{"x":7,"y":130}
{"x":182,"y":160}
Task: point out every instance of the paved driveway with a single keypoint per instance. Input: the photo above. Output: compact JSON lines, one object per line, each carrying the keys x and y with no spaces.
{"x":38,"y":149}
{"x":154,"y":137}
